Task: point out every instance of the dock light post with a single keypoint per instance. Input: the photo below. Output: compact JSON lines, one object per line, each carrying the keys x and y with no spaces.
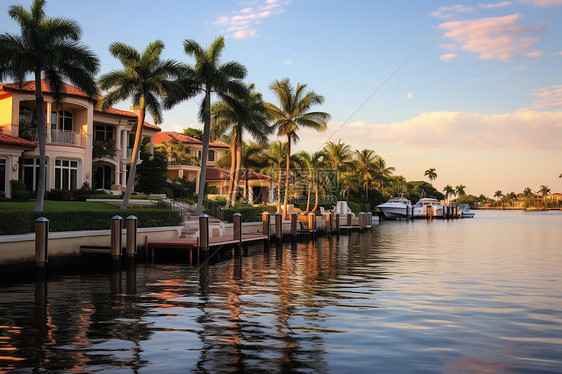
{"x":278,"y":227}
{"x":237,"y":229}
{"x":41,"y":241}
{"x":204,"y":232}
{"x":132,"y":226}
{"x":265,"y":219}
{"x":116,"y":237}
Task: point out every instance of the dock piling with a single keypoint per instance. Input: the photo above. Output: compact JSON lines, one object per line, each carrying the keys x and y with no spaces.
{"x":132,"y":226}
{"x":329,"y":223}
{"x":237,"y":229}
{"x":41,"y":241}
{"x":278,"y":227}
{"x":116,"y":237}
{"x":204,"y":233}
{"x":265,"y":219}
{"x":294,"y":219}
{"x":312,"y":224}
{"x":337,"y":223}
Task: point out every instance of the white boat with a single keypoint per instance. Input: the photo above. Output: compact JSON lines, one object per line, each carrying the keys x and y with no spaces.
{"x":396,"y":207}
{"x":428,"y":207}
{"x":464,"y":211}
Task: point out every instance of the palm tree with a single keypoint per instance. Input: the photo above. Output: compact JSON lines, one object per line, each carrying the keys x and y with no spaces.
{"x":252,"y":157}
{"x":276,"y":156}
{"x":292,"y":114}
{"x":383,"y":172}
{"x":312,"y":163}
{"x":498,"y":194}
{"x":177,"y":152}
{"x":147,"y":80}
{"x":431,"y":174}
{"x":460,"y":190}
{"x":544,"y":190}
{"x":366,"y":168}
{"x":339,"y":156}
{"x":238,"y":115}
{"x":208,"y":76}
{"x":449,"y":191}
{"x":49,"y":47}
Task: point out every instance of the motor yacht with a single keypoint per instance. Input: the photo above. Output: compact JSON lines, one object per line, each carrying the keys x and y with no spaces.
{"x":427,"y":208}
{"x":396,"y":207}
{"x":464,"y":211}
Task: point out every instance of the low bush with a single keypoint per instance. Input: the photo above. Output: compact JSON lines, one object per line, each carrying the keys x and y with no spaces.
{"x":249,"y":213}
{"x":23,"y":222}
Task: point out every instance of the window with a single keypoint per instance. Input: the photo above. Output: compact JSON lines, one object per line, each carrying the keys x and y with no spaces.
{"x":2,"y":175}
{"x":61,"y":120}
{"x":66,"y":174}
{"x":103,"y":132}
{"x":31,"y":173}
{"x":211,"y":155}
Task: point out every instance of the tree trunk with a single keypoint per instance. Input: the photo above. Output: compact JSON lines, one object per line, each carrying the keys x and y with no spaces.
{"x":287,"y":171}
{"x":308,"y":200}
{"x":204,"y":153}
{"x":231,"y":177}
{"x":315,"y":197}
{"x":42,"y":138}
{"x":279,"y":191}
{"x":238,"y":158}
{"x":135,"y":159}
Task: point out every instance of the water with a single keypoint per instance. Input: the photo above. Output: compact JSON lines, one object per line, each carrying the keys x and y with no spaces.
{"x":480,"y":295}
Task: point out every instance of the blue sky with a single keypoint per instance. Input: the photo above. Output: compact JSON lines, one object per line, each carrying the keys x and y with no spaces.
{"x":479,"y":98}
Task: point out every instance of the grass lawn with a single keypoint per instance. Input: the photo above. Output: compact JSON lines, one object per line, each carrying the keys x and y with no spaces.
{"x":51,"y":206}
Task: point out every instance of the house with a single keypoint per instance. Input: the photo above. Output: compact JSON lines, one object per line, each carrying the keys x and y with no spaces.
{"x":259,"y":187}
{"x":84,"y":144}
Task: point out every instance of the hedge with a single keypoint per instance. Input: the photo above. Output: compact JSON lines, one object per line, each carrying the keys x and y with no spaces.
{"x":23,"y":222}
{"x":249,"y":213}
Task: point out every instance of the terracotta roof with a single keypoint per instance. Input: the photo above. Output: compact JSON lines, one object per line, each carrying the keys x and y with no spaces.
{"x":176,"y":137}
{"x":221,"y":174}
{"x":6,"y":139}
{"x":29,"y":86}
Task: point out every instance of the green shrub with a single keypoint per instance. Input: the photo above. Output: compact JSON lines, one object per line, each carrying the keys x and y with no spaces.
{"x":22,"y":222}
{"x":355,"y":207}
{"x":17,"y":185}
{"x":59,"y":195}
{"x":21,"y":195}
{"x":249,"y":213}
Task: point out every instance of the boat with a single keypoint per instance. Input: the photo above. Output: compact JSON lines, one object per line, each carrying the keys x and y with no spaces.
{"x":464,"y":211}
{"x":427,"y":208}
{"x":396,"y":207}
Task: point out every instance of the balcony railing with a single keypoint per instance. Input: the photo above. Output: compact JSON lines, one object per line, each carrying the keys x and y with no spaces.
{"x":66,"y":137}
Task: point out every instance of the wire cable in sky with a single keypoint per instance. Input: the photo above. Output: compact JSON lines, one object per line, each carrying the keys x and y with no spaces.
{"x":369,"y":98}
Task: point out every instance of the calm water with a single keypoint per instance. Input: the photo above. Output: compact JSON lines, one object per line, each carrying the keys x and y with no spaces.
{"x":480,"y":295}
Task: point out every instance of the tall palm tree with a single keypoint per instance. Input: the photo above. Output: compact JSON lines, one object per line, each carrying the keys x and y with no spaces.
{"x":431,"y":174}
{"x":292,"y":114}
{"x":460,"y":190}
{"x":253,"y":157}
{"x":339,"y":156}
{"x":449,"y":191}
{"x":365,"y":168}
{"x":48,"y":47}
{"x":177,"y":152}
{"x":147,"y":80}
{"x":276,"y":157}
{"x":498,"y":194}
{"x":208,"y":76}
{"x":544,"y":190}
{"x":238,"y":115}
{"x":312,"y":163}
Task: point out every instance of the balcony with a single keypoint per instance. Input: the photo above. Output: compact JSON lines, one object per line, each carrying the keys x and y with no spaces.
{"x":66,"y":137}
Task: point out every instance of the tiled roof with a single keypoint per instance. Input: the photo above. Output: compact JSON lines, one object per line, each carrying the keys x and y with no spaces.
{"x":221,"y":174}
{"x":171,"y":136}
{"x":6,"y":139}
{"x":29,"y":86}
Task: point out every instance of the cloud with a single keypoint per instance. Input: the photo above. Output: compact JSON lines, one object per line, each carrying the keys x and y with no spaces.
{"x":524,"y":129}
{"x":494,"y":37}
{"x":534,"y":54}
{"x":451,"y":11}
{"x":243,"y":23}
{"x":548,"y":97}
{"x":496,"y":5}
{"x":542,"y":3}
{"x":448,"y":57}
{"x":558,"y":53}
{"x":410,"y":95}
{"x":288,"y":62}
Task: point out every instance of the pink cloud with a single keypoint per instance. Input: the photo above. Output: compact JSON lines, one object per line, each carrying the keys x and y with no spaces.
{"x":451,"y":11}
{"x":542,"y":3}
{"x":534,"y":54}
{"x":447,"y":57}
{"x":548,"y":97}
{"x":243,"y":23}
{"x":493,"y":38}
{"x":496,"y":5}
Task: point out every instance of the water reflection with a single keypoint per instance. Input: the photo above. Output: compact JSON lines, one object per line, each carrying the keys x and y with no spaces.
{"x":408,"y":297}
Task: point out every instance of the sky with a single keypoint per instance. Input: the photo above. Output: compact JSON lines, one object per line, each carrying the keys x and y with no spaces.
{"x":472,"y":89}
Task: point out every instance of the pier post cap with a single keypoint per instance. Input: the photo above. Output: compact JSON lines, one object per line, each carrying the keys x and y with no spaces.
{"x":132,"y":217}
{"x":237,"y":214}
{"x":311,"y":214}
{"x":265,"y":213}
{"x":41,"y":219}
{"x":117,"y":217}
{"x":203,"y":216}
{"x":278,"y":214}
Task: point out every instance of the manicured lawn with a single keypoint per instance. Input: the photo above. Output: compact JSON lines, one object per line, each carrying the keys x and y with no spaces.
{"x":50,"y":206}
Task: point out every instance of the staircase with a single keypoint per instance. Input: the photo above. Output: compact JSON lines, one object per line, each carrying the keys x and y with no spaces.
{"x":190,"y":225}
